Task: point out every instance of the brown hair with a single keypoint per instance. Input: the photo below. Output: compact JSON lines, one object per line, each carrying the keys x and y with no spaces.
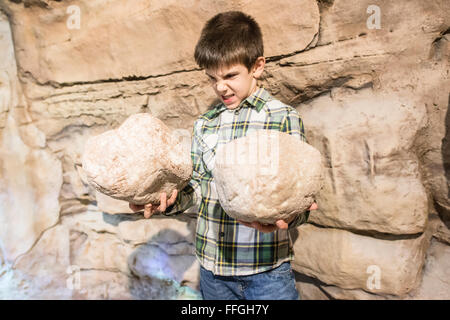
{"x":228,"y":38}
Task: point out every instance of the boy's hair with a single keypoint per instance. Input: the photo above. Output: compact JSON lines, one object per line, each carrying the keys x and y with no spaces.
{"x":228,"y":38}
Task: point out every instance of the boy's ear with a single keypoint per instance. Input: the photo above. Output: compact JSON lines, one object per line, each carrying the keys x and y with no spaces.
{"x":258,"y":67}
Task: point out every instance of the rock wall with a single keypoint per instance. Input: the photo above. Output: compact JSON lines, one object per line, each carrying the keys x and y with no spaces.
{"x":369,"y":78}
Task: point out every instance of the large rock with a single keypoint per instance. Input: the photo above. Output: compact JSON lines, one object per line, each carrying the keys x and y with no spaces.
{"x":53,"y":48}
{"x":267,"y":176}
{"x":373,"y":178}
{"x":137,"y":161}
{"x":30,"y":175}
{"x":351,"y":261}
{"x":30,"y":181}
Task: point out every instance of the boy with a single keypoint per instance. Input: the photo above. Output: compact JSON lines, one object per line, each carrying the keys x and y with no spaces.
{"x":238,"y":260}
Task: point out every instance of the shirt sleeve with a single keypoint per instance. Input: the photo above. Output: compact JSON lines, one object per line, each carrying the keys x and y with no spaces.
{"x":293,"y":125}
{"x":190,"y":196}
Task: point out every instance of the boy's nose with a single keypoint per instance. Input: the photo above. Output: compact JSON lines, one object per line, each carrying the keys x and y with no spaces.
{"x":221,"y":87}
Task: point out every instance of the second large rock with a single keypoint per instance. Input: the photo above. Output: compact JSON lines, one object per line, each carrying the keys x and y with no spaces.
{"x":267,"y":176}
{"x":138,"y":161}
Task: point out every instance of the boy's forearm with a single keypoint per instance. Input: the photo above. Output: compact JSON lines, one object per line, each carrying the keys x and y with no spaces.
{"x":186,"y":198}
{"x":299,"y":220}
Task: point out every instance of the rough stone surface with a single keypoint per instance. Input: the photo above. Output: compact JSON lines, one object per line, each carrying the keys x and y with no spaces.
{"x":267,"y":176}
{"x":436,"y":274}
{"x":52,"y":48}
{"x":100,"y":256}
{"x":111,"y":205}
{"x":366,"y":139}
{"x":138,"y":161}
{"x":131,"y":56}
{"x":30,"y":175}
{"x":309,"y":288}
{"x":382,"y":266}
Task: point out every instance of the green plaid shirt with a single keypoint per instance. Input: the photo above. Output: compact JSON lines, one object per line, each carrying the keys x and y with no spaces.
{"x":224,"y":246}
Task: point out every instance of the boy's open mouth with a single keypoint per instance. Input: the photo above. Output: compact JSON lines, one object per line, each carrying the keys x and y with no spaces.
{"x":227,"y":98}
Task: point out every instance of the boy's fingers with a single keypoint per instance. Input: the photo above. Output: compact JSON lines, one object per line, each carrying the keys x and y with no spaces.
{"x":173,"y":197}
{"x":314,"y":206}
{"x":258,"y":226}
{"x":265,"y":227}
{"x":281,"y":224}
{"x":163,"y":204}
{"x":247,"y":224}
{"x":148,"y":211}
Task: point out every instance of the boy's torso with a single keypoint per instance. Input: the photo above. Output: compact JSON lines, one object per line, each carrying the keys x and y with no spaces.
{"x":224,"y":246}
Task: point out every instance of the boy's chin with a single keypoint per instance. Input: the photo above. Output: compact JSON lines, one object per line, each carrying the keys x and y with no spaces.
{"x":233,"y":105}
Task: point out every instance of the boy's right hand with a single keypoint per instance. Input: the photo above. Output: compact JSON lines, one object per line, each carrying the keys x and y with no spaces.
{"x":150,"y":209}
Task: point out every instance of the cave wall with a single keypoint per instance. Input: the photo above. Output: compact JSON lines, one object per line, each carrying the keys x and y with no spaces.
{"x":370,"y":80}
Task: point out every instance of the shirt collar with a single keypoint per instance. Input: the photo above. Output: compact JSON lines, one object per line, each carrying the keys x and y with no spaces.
{"x":258,"y":99}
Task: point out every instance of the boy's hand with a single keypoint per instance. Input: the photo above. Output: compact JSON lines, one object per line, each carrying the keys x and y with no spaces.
{"x":280,"y":224}
{"x":150,"y":209}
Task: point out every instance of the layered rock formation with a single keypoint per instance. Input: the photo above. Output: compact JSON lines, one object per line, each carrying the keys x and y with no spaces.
{"x":371,"y":84}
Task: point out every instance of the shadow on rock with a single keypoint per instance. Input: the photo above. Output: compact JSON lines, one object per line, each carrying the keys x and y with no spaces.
{"x":164,"y":268}
{"x":443,"y":212}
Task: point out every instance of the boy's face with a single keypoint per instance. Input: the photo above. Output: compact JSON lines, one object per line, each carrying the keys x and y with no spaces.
{"x":235,"y":83}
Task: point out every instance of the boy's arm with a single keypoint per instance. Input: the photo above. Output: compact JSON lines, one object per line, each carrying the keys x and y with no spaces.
{"x":293,"y":124}
{"x":191,"y":195}
{"x":186,"y":198}
{"x":299,"y":220}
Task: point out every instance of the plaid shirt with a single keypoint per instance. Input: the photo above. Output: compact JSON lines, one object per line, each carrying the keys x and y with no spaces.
{"x":224,"y":246}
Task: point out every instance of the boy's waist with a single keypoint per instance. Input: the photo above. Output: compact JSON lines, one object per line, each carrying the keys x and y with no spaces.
{"x":235,"y":268}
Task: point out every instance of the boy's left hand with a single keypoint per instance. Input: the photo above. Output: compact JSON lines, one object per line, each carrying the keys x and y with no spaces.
{"x":280,"y":224}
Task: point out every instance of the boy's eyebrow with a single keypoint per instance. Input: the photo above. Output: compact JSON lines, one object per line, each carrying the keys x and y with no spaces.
{"x":229,"y":74}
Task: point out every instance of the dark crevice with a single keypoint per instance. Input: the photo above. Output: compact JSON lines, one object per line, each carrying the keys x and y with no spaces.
{"x":126,"y":78}
{"x":311,"y":44}
{"x":300,"y":277}
{"x":373,"y":233}
{"x":441,"y":35}
{"x":325,"y":3}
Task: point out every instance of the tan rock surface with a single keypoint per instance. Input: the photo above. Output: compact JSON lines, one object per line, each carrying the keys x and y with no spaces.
{"x":30,"y":175}
{"x":366,"y":139}
{"x":352,"y":261}
{"x":138,"y":161}
{"x":111,"y":205}
{"x":435,"y":284}
{"x":99,"y":256}
{"x":267,"y":176}
{"x":53,"y":49}
{"x":77,"y":83}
